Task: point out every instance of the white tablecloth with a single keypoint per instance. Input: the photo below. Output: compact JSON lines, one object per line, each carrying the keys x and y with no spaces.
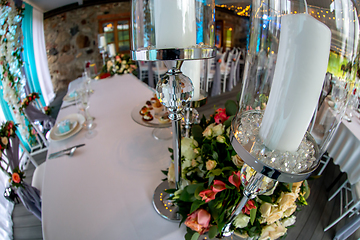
{"x":105,"y":190}
{"x":344,"y":148}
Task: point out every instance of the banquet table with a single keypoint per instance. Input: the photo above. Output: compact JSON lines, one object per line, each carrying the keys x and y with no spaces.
{"x":105,"y":190}
{"x":344,"y":148}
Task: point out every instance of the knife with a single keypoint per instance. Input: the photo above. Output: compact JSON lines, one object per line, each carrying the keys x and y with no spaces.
{"x":55,"y":154}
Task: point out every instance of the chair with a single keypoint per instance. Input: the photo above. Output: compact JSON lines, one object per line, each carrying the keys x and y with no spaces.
{"x":225,"y":69}
{"x":143,"y":70}
{"x":349,"y":203}
{"x":38,"y":177}
{"x":28,"y":195}
{"x":159,"y":70}
{"x":236,"y":67}
{"x":35,"y":117}
{"x":210,"y":66}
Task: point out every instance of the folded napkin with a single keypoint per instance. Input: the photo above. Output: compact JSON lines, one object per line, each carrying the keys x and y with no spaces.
{"x":64,"y":126}
{"x":72,"y":94}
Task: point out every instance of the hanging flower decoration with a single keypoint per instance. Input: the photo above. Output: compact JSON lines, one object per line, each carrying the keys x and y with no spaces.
{"x":17,"y":178}
{"x":27,"y":100}
{"x":11,"y":47}
{"x":7,"y":130}
{"x":121,"y":65}
{"x":211,"y":186}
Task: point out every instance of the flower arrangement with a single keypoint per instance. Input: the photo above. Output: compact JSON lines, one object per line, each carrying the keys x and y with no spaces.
{"x":211,"y":186}
{"x":27,"y":100}
{"x":122,"y":65}
{"x":7,"y":130}
{"x":10,"y":57}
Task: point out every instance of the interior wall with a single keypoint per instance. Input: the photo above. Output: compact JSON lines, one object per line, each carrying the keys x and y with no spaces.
{"x":71,"y":39}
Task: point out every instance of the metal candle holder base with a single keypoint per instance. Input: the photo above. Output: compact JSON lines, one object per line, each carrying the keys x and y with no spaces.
{"x":163,"y":206}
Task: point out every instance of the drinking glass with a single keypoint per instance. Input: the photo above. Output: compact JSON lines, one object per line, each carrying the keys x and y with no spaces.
{"x":89,"y":120}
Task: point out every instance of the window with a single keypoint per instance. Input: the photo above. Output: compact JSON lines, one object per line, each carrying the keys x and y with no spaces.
{"x":117,"y":31}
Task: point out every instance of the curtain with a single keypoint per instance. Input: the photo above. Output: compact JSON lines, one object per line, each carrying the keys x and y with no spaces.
{"x":6,"y":207}
{"x":41,"y":61}
{"x":36,"y":65}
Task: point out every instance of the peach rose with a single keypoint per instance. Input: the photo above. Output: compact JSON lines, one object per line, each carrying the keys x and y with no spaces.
{"x":5,"y":140}
{"x":16,"y":178}
{"x":275,"y":215}
{"x":199,"y":221}
{"x":286,"y":200}
{"x":272,"y":232}
{"x":288,"y":212}
{"x":211,"y":164}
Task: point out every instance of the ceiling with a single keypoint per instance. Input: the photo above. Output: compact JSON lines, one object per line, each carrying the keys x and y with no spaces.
{"x":47,"y":5}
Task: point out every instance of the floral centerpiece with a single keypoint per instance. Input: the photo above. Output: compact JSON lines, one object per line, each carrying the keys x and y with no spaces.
{"x":211,"y":186}
{"x":121,"y":65}
{"x":7,"y":130}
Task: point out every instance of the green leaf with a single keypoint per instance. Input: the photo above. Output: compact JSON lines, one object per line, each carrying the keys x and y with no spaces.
{"x":192,"y":188}
{"x":170,"y":190}
{"x":215,"y":156}
{"x":252,"y":215}
{"x":231,"y":107}
{"x":265,"y":198}
{"x":195,"y":205}
{"x":188,"y":236}
{"x":216,"y":172}
{"x":306,"y":189}
{"x":213,"y":232}
{"x":171,"y":150}
{"x":197,"y":131}
{"x":227,"y":123}
{"x":195,"y":236}
{"x":211,"y":178}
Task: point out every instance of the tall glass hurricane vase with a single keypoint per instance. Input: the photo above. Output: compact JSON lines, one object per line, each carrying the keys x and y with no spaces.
{"x":286,"y":72}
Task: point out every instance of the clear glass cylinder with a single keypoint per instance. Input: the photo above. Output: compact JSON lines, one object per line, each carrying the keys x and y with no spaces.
{"x":286,"y":72}
{"x":185,"y":26}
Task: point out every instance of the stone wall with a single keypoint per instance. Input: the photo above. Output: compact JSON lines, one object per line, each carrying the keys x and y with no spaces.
{"x":71,"y":38}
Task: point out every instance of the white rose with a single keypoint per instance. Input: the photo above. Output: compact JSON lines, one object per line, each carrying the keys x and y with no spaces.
{"x":288,"y":222}
{"x":220,"y":139}
{"x":218,"y":130}
{"x":265,"y":209}
{"x":241,"y":220}
{"x":211,"y":164}
{"x":208,"y":131}
{"x":171,"y":174}
{"x":4,"y":140}
{"x":187,"y":148}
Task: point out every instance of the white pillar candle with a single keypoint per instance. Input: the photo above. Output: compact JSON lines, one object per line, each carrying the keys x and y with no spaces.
{"x":298,"y":78}
{"x":102,"y":41}
{"x":192,"y":70}
{"x":112,"y":51}
{"x":175,"y":24}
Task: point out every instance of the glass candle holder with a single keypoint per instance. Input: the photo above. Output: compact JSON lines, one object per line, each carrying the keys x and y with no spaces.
{"x":286,"y":69}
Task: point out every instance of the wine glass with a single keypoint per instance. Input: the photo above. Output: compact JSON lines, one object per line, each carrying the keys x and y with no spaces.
{"x":89,"y":120}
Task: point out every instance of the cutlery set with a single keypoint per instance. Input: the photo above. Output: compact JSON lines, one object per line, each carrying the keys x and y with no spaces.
{"x":67,"y":151}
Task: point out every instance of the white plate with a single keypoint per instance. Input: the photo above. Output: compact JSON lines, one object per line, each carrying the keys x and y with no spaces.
{"x":73,"y":124}
{"x":69,"y":98}
{"x":74,"y":117}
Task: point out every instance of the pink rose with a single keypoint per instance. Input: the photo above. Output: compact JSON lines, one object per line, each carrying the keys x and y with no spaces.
{"x":199,"y":221}
{"x":207,"y":195}
{"x":248,"y":108}
{"x":46,"y":108}
{"x":235,"y":180}
{"x":218,"y":186}
{"x":220,"y":116}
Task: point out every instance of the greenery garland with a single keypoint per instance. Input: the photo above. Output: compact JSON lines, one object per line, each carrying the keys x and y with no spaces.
{"x":11,"y":47}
